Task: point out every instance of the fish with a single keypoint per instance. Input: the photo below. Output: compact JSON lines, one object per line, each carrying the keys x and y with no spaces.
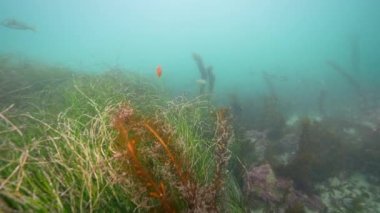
{"x":17,"y":25}
{"x":159,"y":71}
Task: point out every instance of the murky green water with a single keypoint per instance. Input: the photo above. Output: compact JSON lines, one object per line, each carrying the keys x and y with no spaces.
{"x":274,"y":63}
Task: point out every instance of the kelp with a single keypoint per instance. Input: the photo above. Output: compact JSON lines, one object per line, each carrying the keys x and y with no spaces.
{"x":354,"y":83}
{"x":320,"y":155}
{"x":207,"y":74}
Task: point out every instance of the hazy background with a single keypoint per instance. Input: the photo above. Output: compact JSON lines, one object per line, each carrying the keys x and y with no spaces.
{"x":240,"y":39}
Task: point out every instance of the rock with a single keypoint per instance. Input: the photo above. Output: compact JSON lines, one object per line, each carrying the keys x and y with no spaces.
{"x":262,"y":185}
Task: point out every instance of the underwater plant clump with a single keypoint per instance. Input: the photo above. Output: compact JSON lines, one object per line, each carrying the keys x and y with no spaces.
{"x":320,"y":155}
{"x":207,"y":75}
{"x":264,"y":190}
{"x":158,"y":170}
{"x":271,"y":118}
{"x":369,"y":153}
{"x":22,"y":80}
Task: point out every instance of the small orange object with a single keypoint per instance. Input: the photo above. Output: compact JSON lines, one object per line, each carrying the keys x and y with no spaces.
{"x":159,"y":71}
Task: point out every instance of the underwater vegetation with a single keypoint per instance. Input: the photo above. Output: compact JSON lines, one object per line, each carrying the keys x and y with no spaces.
{"x":110,"y":142}
{"x":269,"y":82}
{"x":369,"y":154}
{"x":305,"y":153}
{"x":117,"y":141}
{"x":271,"y":118}
{"x":264,"y":115}
{"x":22,"y":79}
{"x":319,"y":156}
{"x":355,"y":85}
{"x":161,"y":168}
{"x":322,"y":102}
{"x":264,"y":189}
{"x":207,"y":75}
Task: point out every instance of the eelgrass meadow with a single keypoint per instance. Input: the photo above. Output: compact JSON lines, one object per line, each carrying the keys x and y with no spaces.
{"x":190,"y":106}
{"x":62,"y":155}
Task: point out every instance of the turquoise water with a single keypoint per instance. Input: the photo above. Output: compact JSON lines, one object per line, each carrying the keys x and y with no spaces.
{"x":239,"y":39}
{"x":315,"y":58}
